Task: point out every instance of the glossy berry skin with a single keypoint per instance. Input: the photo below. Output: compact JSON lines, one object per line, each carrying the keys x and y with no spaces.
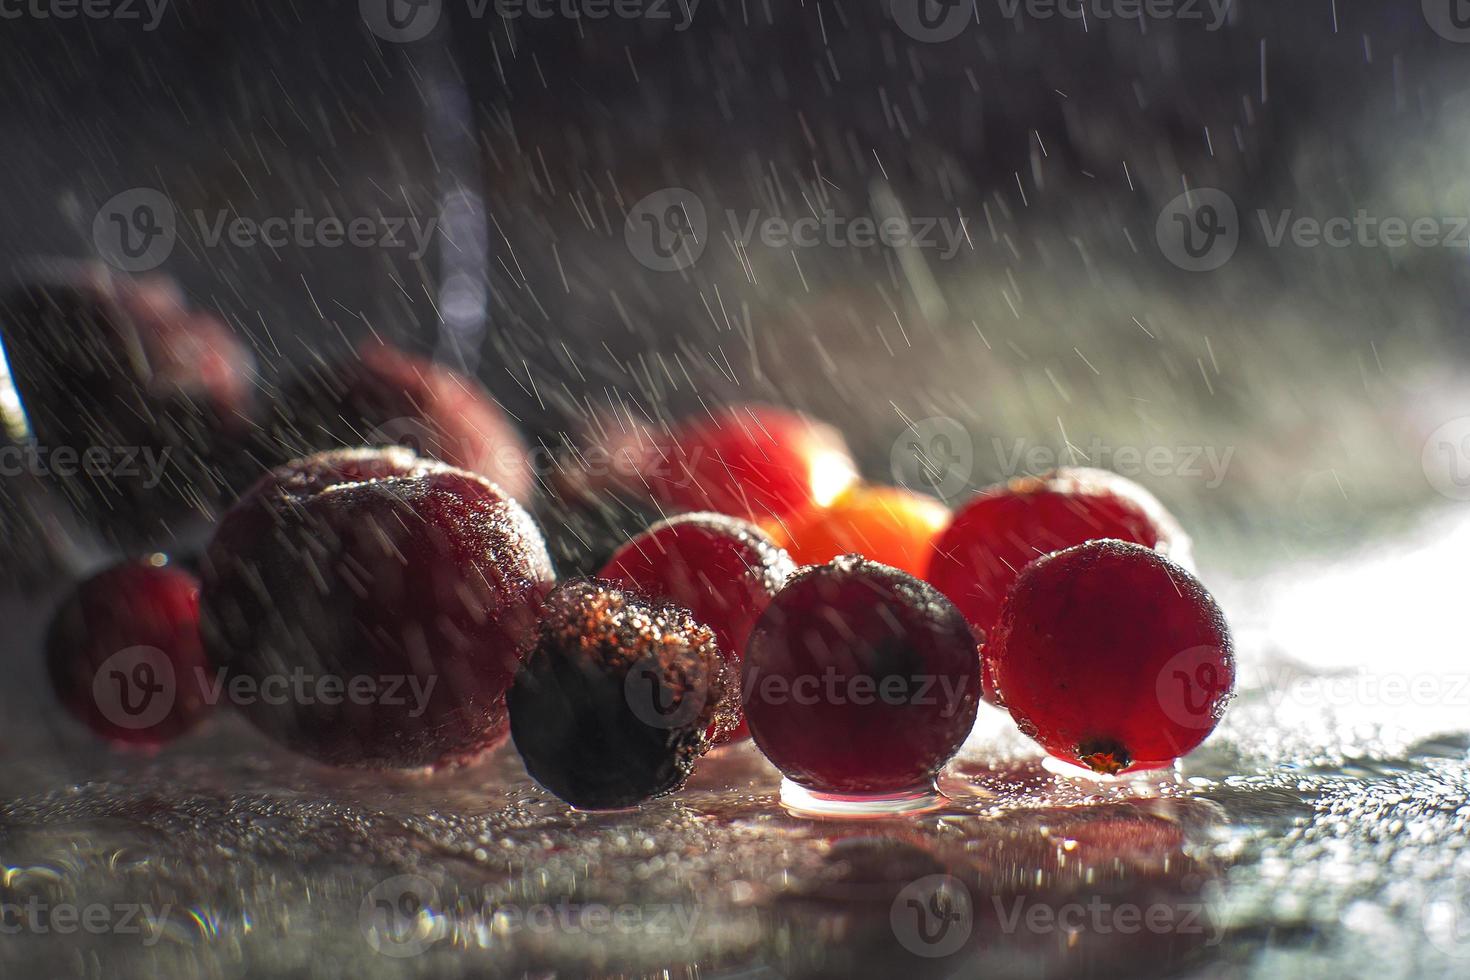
{"x":383,"y":396}
{"x":1004,"y":528}
{"x":723,"y":570}
{"x":887,"y":524}
{"x":416,"y":582}
{"x":618,"y":698}
{"x":753,"y":462}
{"x":1112,"y":657}
{"x":125,"y":657}
{"x":860,"y":679}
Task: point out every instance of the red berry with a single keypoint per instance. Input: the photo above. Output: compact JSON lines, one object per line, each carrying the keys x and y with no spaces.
{"x":722,"y":569}
{"x":860,"y":679}
{"x":1112,"y":657}
{"x":618,"y":698}
{"x":402,"y":591}
{"x":751,"y":461}
{"x":892,"y":526}
{"x":384,"y":396}
{"x":1005,"y":527}
{"x":125,"y":656}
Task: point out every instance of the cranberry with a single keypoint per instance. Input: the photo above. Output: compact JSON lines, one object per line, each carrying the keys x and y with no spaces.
{"x":617,"y":700}
{"x":1005,"y":527}
{"x":860,"y":679}
{"x":1113,"y":657}
{"x":387,"y":597}
{"x":385,"y":396}
{"x":722,"y":569}
{"x":892,"y":526}
{"x":754,"y":462}
{"x":153,"y":398}
{"x":125,"y":655}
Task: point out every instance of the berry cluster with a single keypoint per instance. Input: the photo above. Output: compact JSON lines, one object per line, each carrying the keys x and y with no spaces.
{"x":396,"y":607}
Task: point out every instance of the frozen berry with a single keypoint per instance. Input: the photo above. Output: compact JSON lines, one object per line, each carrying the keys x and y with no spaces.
{"x":722,"y":569}
{"x":1112,"y":657}
{"x":892,"y":526}
{"x":616,"y":701}
{"x":754,"y":462}
{"x":1005,"y":527}
{"x":134,"y":402}
{"x":384,"y":396}
{"x":374,"y":606}
{"x":125,"y":656}
{"x":860,"y":679}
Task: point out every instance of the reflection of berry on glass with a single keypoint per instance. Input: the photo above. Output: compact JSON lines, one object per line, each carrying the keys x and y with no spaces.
{"x":1112,"y":657}
{"x":722,"y":569}
{"x":124,"y":653}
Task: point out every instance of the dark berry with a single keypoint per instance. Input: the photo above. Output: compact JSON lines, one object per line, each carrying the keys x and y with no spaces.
{"x":722,"y":569}
{"x":125,"y":656}
{"x":886,"y":524}
{"x":751,"y":461}
{"x":860,"y":679}
{"x":383,"y":396}
{"x":1112,"y":657}
{"x":401,"y":591}
{"x":1005,"y":527}
{"x":616,"y":701}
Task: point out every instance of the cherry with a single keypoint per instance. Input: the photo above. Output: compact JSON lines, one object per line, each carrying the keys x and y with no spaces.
{"x":889,"y":525}
{"x":1112,"y":656}
{"x":751,"y":461}
{"x":860,"y":679}
{"x":722,"y":569}
{"x":124,"y":653}
{"x":375,"y":606}
{"x":385,"y":396}
{"x":618,"y":698}
{"x":996,"y":534}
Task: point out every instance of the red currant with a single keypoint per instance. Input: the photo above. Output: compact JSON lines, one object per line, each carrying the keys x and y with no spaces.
{"x":998,"y":533}
{"x":376,"y":605}
{"x":722,"y":569}
{"x":860,"y":679}
{"x":892,"y":526}
{"x":618,"y":698}
{"x":754,"y":462}
{"x":125,"y":656}
{"x":1112,"y":656}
